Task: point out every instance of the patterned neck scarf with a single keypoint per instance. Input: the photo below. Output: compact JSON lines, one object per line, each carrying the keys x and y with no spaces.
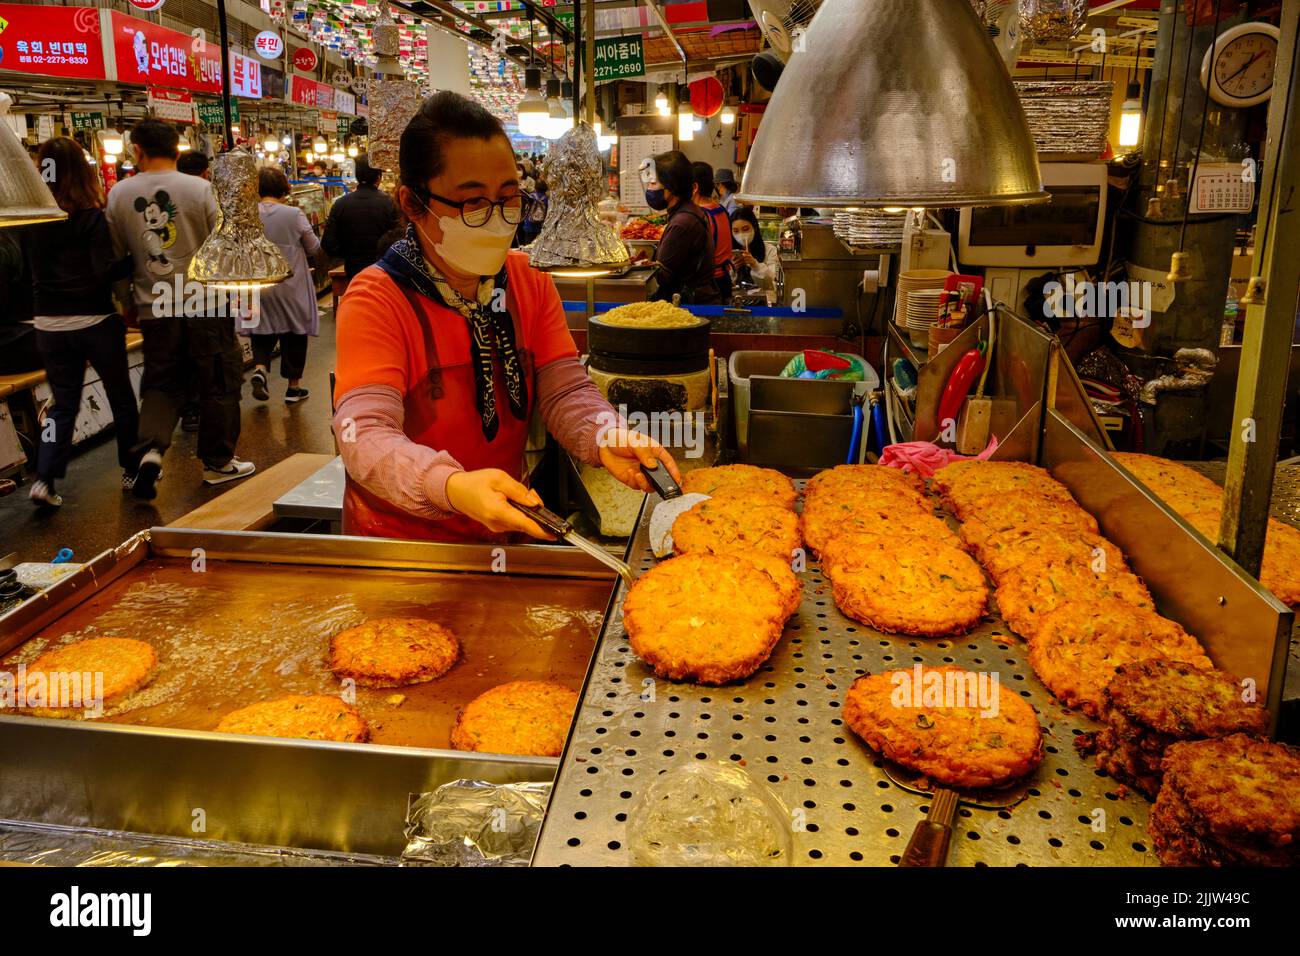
{"x":492,"y":332}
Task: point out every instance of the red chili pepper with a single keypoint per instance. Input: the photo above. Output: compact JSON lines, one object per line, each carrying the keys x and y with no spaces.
{"x":968,"y":368}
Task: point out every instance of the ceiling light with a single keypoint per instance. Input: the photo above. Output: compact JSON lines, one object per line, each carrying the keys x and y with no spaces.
{"x":271,"y":145}
{"x":661,"y":102}
{"x":685,"y":123}
{"x":184,"y":145}
{"x":353,"y":152}
{"x":533,"y":111}
{"x":319,"y":146}
{"x":1130,"y":118}
{"x":287,"y":140}
{"x":112,"y":143}
{"x":728,"y":116}
{"x":237,"y":255}
{"x":110,"y":159}
{"x":920,"y":77}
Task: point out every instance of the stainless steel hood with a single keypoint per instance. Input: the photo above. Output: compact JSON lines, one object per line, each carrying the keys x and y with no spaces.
{"x":894,"y":103}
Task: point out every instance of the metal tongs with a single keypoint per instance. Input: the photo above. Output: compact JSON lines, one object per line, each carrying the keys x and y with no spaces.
{"x":562,"y":528}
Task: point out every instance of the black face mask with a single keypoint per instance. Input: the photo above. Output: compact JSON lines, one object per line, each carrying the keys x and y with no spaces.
{"x":656,"y":199}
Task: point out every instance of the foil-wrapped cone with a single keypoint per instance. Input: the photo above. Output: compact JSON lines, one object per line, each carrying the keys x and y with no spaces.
{"x":392,"y":105}
{"x":237,"y":254}
{"x":1044,"y":21}
{"x":386,"y":34}
{"x":472,"y":823}
{"x":24,"y":197}
{"x":573,"y":236}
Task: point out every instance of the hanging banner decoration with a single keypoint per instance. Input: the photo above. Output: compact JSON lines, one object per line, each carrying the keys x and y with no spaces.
{"x":148,"y":54}
{"x":619,"y":58}
{"x":304,"y":59}
{"x":51,"y":41}
{"x":174,"y":105}
{"x":245,"y":76}
{"x":269,"y":45}
{"x":707,"y":96}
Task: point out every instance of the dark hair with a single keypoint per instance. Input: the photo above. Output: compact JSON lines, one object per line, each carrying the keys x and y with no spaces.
{"x":703,"y":175}
{"x":541,"y":187}
{"x":75,"y":182}
{"x":443,"y":116}
{"x":368,"y":175}
{"x":156,"y":138}
{"x":674,"y":173}
{"x":273,"y":183}
{"x":757,"y":248}
{"x":193,"y":163}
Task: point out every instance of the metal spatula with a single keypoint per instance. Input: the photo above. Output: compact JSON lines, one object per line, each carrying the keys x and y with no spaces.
{"x":933,"y":835}
{"x":561,"y":528}
{"x":675,"y":503}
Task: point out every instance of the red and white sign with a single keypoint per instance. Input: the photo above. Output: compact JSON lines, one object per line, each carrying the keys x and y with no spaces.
{"x":51,"y":41}
{"x":304,"y":59}
{"x":148,"y":55}
{"x":307,"y":92}
{"x":269,"y":45}
{"x":245,"y":77}
{"x":175,"y":105}
{"x":148,"y":6}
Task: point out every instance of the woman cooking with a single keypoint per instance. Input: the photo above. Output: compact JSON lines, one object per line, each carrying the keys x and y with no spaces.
{"x":448,"y":344}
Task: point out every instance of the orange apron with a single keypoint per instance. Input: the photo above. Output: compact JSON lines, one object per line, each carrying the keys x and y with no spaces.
{"x":441,"y":412}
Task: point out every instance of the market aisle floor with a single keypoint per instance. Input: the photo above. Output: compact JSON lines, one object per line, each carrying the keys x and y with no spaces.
{"x":96,"y":514}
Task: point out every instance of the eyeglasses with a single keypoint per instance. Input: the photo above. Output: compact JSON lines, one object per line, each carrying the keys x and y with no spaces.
{"x":477,"y":211}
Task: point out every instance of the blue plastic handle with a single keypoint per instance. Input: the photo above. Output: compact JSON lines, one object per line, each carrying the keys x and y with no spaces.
{"x":63,"y":557}
{"x":857,"y":434}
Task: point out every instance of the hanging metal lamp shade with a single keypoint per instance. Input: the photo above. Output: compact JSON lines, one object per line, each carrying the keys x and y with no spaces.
{"x":237,"y":255}
{"x":894,"y":103}
{"x":24,"y":197}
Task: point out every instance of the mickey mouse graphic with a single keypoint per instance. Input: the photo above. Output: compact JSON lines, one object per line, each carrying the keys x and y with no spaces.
{"x":160,"y":230}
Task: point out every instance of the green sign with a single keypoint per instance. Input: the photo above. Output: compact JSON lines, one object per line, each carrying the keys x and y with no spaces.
{"x":87,"y":121}
{"x":566,"y":19}
{"x":210,"y":112}
{"x":620,"y":58}
{"x":344,"y":126}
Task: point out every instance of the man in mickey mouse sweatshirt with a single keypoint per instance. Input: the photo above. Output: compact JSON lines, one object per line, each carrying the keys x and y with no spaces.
{"x":161,"y":217}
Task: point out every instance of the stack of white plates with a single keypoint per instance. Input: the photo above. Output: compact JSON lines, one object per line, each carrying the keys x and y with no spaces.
{"x":919,"y":280}
{"x":922,"y":311}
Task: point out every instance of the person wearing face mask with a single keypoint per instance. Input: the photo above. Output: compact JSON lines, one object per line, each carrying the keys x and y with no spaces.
{"x":757,"y":262}
{"x":448,"y":345}
{"x":684,"y":258}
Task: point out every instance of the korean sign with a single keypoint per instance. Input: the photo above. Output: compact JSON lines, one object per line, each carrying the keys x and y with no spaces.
{"x":82,"y":121}
{"x":307,"y":92}
{"x":148,"y":54}
{"x":211,"y":114}
{"x":619,"y":58}
{"x":51,"y":41}
{"x":245,"y":77}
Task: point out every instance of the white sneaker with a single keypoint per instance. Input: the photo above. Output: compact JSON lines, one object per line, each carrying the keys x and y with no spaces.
{"x":230,"y":471}
{"x":43,"y":496}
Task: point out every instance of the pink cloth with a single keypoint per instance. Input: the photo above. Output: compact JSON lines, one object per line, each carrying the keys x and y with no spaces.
{"x":378,"y":455}
{"x":925,"y":458}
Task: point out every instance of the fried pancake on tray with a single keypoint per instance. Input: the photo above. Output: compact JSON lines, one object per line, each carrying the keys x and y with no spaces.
{"x":1232,"y":801}
{"x":1079,"y":645}
{"x":1037,"y":587}
{"x":742,"y":481}
{"x":737,"y":526}
{"x":995,"y":513}
{"x":523,"y":717}
{"x":864,"y":478}
{"x":788,"y":586}
{"x":969,"y":746}
{"x":126,"y":666}
{"x":962,"y":484}
{"x":1163,"y":476}
{"x":705,"y":618}
{"x":393,"y":652}
{"x":1003,"y":553}
{"x":888,"y":516}
{"x":315,"y":717}
{"x":1151,"y":704}
{"x":922,"y":586}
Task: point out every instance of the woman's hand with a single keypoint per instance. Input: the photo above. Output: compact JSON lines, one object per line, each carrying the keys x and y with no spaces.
{"x":623,"y":452}
{"x":748,"y":259}
{"x":485,"y":496}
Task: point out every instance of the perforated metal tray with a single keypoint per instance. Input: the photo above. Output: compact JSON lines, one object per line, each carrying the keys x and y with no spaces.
{"x":784,"y":726}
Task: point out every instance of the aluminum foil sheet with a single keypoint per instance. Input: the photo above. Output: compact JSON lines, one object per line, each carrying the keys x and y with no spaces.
{"x":237,"y":252}
{"x":1068,"y":116}
{"x":1044,"y":21}
{"x":386,"y":34}
{"x":392,"y":105}
{"x":869,"y":229}
{"x":574,"y":236}
{"x":473,"y":823}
